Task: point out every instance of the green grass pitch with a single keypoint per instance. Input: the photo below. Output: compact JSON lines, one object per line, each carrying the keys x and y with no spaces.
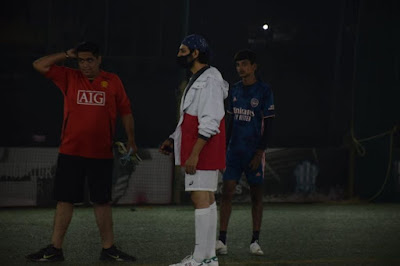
{"x":292,"y":234}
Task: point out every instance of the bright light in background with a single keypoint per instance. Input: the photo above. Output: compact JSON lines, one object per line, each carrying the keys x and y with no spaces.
{"x":265,"y":26}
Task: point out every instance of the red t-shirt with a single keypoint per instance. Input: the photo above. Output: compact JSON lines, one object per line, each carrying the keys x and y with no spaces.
{"x":90,"y":111}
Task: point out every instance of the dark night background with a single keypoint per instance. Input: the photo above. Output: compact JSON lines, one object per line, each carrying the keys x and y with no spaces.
{"x":333,"y":67}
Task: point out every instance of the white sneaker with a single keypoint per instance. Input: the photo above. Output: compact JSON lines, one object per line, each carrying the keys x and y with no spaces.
{"x":255,"y":249}
{"x":211,"y":262}
{"x":221,"y":248}
{"x":189,"y":261}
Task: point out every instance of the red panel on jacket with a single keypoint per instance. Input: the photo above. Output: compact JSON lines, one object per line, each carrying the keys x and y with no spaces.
{"x":212,"y":156}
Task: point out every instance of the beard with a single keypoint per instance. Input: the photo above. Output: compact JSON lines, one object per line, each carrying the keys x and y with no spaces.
{"x":185,"y":61}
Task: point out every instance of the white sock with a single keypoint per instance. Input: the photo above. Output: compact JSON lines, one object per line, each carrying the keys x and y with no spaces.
{"x":212,"y":232}
{"x":202,"y":222}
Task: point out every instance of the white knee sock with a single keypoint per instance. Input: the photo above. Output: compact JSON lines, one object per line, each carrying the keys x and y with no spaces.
{"x":202,"y":223}
{"x":212,"y":232}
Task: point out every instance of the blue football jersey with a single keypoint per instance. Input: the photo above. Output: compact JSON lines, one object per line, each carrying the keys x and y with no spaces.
{"x":249,"y":105}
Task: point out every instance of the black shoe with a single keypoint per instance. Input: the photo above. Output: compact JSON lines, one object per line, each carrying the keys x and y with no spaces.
{"x":49,"y":253}
{"x":114,"y":254}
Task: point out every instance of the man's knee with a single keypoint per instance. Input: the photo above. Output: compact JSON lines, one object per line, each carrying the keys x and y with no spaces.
{"x":228,"y":190}
{"x":64,"y":205}
{"x":256,"y":192}
{"x":200,"y":199}
{"x":102,"y":204}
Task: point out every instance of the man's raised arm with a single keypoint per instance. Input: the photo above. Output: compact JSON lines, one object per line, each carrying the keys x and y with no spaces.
{"x":43,"y":64}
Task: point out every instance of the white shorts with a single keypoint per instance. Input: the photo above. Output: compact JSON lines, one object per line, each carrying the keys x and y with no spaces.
{"x":202,"y":180}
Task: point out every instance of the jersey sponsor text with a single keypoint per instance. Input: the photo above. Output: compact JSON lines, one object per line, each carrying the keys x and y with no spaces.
{"x":243,"y":114}
{"x":91,"y":97}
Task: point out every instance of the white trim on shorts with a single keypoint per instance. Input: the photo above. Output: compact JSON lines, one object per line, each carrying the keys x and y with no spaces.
{"x":202,"y":180}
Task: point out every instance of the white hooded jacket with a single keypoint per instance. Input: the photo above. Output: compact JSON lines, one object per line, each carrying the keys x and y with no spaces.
{"x":205,"y":100}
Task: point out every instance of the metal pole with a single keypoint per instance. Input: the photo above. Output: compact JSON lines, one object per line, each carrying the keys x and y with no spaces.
{"x":352,"y":163}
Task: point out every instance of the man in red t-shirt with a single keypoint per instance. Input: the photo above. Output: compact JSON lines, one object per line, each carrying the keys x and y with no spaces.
{"x":92,"y":100}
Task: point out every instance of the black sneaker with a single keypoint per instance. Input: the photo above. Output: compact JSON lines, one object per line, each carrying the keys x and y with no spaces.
{"x":49,"y":253}
{"x":114,"y":254}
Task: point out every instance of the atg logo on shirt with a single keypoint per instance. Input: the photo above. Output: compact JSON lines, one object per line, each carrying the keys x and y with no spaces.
{"x":91,"y":97}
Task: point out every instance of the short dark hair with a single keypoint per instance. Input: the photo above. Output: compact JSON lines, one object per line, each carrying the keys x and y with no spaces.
{"x":88,"y":47}
{"x":245,"y":54}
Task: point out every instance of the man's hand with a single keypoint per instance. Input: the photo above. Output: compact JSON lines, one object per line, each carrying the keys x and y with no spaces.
{"x":191,"y":164}
{"x":71,"y":53}
{"x":167,"y":147}
{"x":132,"y":145}
{"x":255,"y":162}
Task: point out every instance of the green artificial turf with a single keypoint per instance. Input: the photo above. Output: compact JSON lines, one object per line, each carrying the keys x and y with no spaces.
{"x":292,"y":234}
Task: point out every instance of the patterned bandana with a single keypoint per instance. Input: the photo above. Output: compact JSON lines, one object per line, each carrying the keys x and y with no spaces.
{"x":195,"y":41}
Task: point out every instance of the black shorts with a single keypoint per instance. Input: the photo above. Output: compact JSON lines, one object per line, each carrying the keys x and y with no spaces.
{"x":71,"y":173}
